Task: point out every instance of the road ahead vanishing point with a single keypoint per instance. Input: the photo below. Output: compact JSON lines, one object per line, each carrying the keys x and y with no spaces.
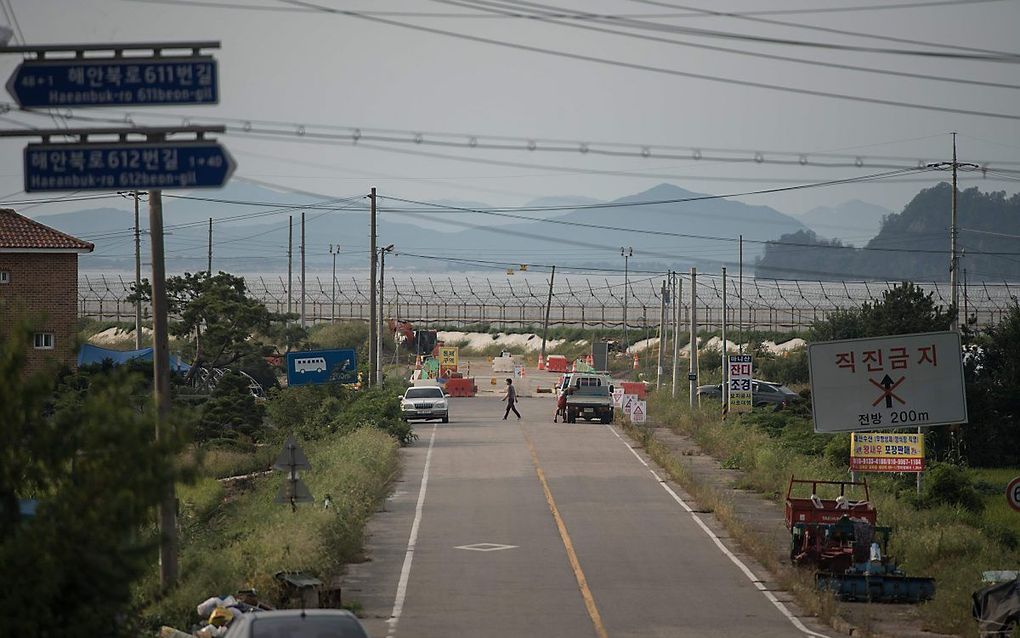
{"x":529,"y":528}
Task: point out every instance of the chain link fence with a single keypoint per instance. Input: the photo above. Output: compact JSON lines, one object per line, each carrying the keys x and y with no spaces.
{"x":582,"y":302}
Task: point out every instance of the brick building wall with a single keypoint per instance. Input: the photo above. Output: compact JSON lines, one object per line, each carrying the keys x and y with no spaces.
{"x":42,"y":287}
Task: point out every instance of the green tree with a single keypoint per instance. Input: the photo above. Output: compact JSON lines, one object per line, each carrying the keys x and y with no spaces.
{"x":992,"y":438}
{"x":92,"y":463}
{"x":231,"y":409}
{"x":216,"y":312}
{"x":903,"y":309}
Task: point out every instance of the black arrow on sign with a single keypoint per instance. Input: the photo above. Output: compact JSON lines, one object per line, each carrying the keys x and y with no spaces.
{"x":887,"y":383}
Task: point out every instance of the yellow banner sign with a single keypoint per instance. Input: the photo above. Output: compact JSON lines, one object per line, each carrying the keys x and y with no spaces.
{"x":448,"y":357}
{"x":886,"y":452}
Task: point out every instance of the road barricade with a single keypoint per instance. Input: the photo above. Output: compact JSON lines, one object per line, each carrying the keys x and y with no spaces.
{"x":461,"y":387}
{"x":635,"y":387}
{"x":556,"y":363}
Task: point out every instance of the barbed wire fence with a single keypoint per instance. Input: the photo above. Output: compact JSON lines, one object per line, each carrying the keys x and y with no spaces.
{"x":581,"y":302}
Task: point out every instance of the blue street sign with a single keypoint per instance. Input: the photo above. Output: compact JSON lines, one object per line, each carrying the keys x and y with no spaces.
{"x":115,"y":82}
{"x":321,"y":366}
{"x":126,"y":166}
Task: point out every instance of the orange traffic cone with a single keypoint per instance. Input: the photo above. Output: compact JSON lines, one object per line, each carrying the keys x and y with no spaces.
{"x":635,"y":361}
{"x":541,"y":363}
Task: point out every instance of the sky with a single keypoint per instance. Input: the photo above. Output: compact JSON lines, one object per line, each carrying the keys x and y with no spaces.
{"x":301,"y":64}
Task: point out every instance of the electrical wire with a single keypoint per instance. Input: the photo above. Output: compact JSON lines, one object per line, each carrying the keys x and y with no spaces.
{"x":298,"y":131}
{"x":812,"y":27}
{"x":483,"y":5}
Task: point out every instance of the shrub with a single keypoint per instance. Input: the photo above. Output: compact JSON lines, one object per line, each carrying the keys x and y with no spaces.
{"x":231,"y":410}
{"x":789,"y":369}
{"x":947,"y":484}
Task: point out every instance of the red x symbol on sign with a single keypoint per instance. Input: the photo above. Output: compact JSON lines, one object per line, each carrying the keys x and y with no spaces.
{"x":887,"y":386}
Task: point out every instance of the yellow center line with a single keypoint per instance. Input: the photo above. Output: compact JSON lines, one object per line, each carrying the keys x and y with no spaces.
{"x":575,"y":565}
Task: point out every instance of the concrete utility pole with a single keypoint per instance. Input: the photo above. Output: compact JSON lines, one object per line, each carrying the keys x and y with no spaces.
{"x":545,"y":326}
{"x":740,"y":296}
{"x":290,"y":264}
{"x":372,"y":328}
{"x":677,"y":289}
{"x":954,"y":265}
{"x":382,"y":310}
{"x":692,"y":374}
{"x":167,"y":509}
{"x":662,"y":333}
{"x":208,"y":268}
{"x":626,"y":253}
{"x":303,"y":319}
{"x":138,"y":277}
{"x":332,"y":296}
{"x":725,"y":362}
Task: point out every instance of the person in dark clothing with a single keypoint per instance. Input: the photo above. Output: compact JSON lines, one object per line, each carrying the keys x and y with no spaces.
{"x":511,"y":399}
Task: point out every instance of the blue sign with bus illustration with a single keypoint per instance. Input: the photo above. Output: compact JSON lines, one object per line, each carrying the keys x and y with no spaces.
{"x":322,"y":366}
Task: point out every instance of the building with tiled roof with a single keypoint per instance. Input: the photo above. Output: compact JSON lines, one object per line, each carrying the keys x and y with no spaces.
{"x":39,"y":284}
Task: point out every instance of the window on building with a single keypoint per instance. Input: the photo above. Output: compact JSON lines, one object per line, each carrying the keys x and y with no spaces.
{"x":5,"y":277}
{"x":44,"y":341}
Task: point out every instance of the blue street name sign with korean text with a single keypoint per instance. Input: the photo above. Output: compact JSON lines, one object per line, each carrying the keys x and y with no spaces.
{"x":115,"y":82}
{"x":126,"y":165}
{"x":322,"y":366}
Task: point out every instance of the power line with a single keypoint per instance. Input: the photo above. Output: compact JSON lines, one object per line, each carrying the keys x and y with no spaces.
{"x":751,"y":17}
{"x":660,"y":70}
{"x":758,"y":39}
{"x":299,"y":131}
{"x":756,"y":54}
{"x":694,"y":236}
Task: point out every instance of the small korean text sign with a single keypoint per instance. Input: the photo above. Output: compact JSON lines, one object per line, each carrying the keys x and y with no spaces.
{"x":886,"y":452}
{"x":739,"y":390}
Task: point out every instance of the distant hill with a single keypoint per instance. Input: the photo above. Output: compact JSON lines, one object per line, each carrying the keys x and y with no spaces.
{"x":913,"y":244}
{"x":853,"y":222}
{"x":252,"y":236}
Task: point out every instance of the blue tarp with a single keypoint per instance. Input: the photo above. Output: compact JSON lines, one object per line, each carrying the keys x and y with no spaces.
{"x":89,"y":354}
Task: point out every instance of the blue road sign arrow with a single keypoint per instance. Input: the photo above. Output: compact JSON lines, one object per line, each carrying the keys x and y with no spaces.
{"x":115,"y":82}
{"x":127,"y":165}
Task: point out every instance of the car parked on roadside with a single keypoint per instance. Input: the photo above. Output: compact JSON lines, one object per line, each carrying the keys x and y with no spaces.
{"x":425,"y":403}
{"x":295,"y":623}
{"x":763,"y":393}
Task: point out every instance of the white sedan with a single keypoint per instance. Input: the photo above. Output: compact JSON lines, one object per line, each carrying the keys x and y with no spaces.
{"x":425,"y":403}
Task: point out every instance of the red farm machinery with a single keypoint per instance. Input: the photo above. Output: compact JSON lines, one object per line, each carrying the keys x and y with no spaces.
{"x":838,"y":536}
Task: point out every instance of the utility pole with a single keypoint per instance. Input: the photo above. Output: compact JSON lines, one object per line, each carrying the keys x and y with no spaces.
{"x":626,"y":253}
{"x":953,"y":233}
{"x":382,"y":310}
{"x":692,"y":374}
{"x":725,"y":362}
{"x":303,"y":319}
{"x":371,"y":321}
{"x":290,"y":264}
{"x":677,"y":289}
{"x":740,"y":297}
{"x":662,"y":333}
{"x":208,"y":268}
{"x":332,"y":296}
{"x":167,"y":509}
{"x":545,"y":327}
{"x":138,"y":277}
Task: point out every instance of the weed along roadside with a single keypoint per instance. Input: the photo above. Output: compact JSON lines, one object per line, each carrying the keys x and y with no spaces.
{"x":952,"y":541}
{"x":236,"y":535}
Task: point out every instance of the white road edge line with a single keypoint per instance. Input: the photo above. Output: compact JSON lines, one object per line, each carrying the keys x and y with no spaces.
{"x":412,"y":542}
{"x":736,"y":561}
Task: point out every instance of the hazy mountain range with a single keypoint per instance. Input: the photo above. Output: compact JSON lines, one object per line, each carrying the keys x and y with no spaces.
{"x":251,"y":230}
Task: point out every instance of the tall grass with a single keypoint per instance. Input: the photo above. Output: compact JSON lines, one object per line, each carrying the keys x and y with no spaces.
{"x":243,"y":541}
{"x":948,"y":543}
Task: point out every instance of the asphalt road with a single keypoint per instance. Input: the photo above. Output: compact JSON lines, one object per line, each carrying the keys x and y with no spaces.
{"x":529,"y":528}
